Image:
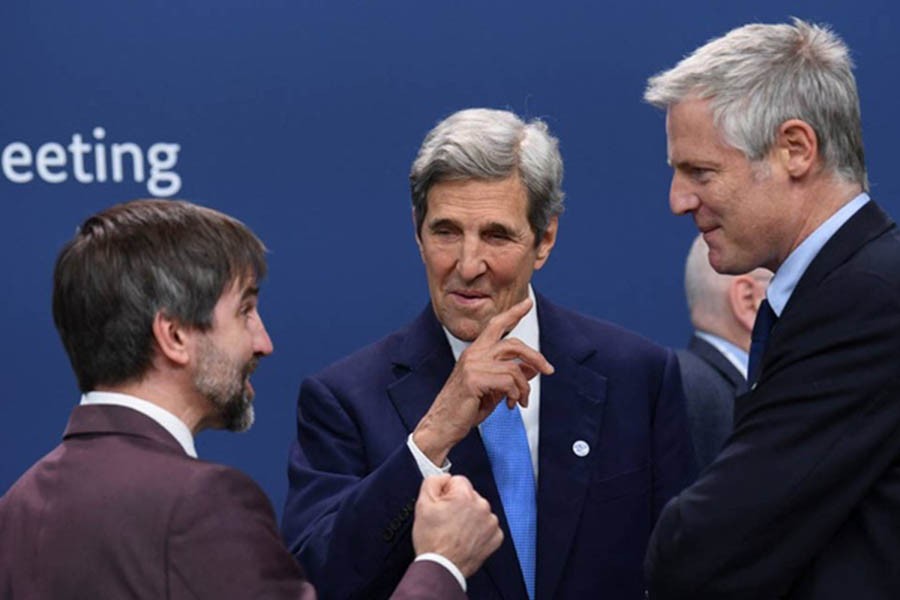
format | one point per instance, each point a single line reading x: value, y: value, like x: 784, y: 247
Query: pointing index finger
x: 503, y: 323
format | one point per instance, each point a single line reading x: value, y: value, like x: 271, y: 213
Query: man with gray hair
x: 714, y: 365
x: 765, y: 141
x: 573, y: 429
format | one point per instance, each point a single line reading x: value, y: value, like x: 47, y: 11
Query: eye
x: 700, y: 174
x: 497, y: 235
x: 443, y: 230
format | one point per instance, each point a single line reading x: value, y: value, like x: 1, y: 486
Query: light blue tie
x: 503, y: 434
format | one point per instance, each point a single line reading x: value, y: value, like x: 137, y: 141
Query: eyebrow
x: 491, y: 226
x: 442, y: 223
x: 495, y: 226
x: 251, y: 290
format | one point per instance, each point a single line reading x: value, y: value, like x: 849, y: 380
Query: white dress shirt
x: 166, y: 420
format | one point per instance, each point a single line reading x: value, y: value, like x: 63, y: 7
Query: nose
x: 682, y: 199
x: 262, y: 343
x: 470, y: 264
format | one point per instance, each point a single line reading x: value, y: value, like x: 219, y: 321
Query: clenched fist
x: 453, y: 520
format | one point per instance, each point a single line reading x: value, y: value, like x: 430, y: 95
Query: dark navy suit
x: 710, y: 384
x: 804, y: 500
x: 353, y: 480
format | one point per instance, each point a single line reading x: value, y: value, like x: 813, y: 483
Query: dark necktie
x: 762, y: 328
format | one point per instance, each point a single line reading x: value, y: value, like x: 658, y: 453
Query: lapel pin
x: 581, y: 448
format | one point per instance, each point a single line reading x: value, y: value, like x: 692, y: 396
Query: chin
x: 243, y: 421
x: 466, y: 330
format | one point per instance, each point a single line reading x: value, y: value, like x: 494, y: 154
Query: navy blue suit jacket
x: 804, y: 500
x: 710, y: 384
x: 353, y: 481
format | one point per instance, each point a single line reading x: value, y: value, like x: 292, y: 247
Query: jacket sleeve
x: 346, y: 522
x: 810, y: 441
x: 673, y: 452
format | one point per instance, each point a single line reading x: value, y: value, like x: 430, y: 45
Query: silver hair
x: 480, y: 143
x: 759, y: 76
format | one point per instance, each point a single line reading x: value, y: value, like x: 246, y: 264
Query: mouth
x: 706, y: 230
x: 705, y: 227
x: 468, y: 297
x: 248, y: 370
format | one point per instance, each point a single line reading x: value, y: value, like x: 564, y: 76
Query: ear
x: 742, y: 299
x: 797, y: 146
x: 548, y: 240
x: 172, y: 339
x: 418, y: 237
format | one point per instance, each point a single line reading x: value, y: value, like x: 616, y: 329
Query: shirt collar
x: 736, y: 356
x: 166, y: 420
x: 526, y: 330
x: 795, y: 265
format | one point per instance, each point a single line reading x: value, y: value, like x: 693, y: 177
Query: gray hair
x: 480, y: 143
x: 759, y: 76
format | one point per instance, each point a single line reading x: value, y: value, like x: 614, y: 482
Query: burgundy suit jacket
x: 118, y: 510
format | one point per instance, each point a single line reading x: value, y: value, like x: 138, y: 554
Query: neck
x: 815, y: 203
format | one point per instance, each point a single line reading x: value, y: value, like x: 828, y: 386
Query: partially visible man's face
x: 479, y: 250
x: 741, y: 208
x: 228, y: 353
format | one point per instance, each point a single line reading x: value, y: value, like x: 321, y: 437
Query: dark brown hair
x: 134, y: 259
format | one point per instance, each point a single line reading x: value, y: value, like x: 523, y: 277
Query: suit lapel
x: 422, y: 362
x: 716, y: 360
x: 572, y: 401
x: 868, y: 223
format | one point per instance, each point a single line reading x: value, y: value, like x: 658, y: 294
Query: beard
x: 223, y: 382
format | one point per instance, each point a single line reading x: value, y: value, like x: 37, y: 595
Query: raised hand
x: 492, y: 368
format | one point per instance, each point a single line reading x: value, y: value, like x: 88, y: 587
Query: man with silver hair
x: 764, y: 138
x: 714, y: 365
x: 573, y: 429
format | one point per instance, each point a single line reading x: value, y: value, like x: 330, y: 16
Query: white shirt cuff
x: 447, y: 564
x: 426, y: 467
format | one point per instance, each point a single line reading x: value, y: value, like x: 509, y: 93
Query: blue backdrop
x: 301, y: 118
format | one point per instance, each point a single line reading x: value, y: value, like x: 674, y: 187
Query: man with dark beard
x: 156, y: 305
